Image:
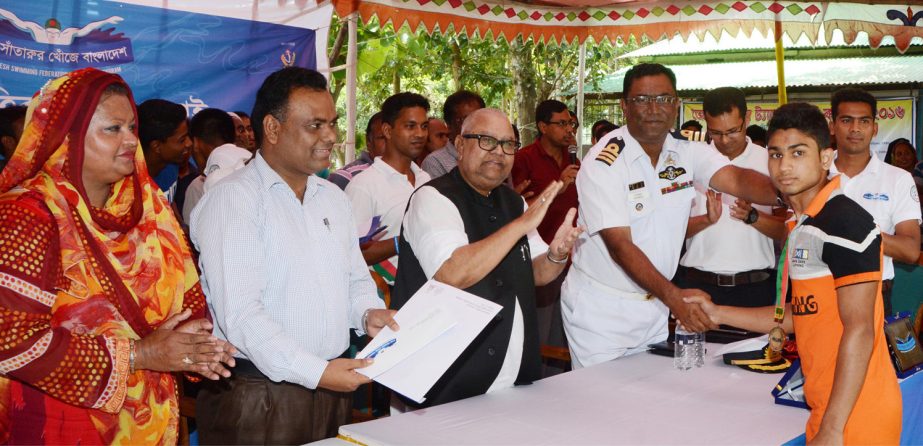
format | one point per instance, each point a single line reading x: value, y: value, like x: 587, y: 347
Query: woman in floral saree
x: 99, y: 296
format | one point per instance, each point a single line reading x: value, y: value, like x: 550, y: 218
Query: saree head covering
x: 78, y: 282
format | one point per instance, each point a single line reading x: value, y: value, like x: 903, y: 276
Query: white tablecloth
x: 640, y: 399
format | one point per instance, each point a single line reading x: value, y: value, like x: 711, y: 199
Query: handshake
x: 693, y: 309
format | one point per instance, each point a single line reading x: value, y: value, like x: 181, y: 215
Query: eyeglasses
x: 661, y: 100
x: 489, y: 143
x: 563, y: 123
x: 728, y: 134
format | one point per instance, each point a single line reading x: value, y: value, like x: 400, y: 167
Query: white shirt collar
x: 269, y: 177
x: 872, y: 167
x: 387, y: 170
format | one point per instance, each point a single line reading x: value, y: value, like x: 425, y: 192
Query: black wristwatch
x: 752, y: 216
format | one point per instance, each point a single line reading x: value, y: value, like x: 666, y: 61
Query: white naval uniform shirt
x: 654, y: 202
x: 731, y: 246
x: 435, y: 229
x: 888, y: 193
x: 383, y: 191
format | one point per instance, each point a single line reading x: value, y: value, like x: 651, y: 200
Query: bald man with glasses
x: 471, y: 231
x: 636, y: 193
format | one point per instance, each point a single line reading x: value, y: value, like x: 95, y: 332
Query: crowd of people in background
x: 140, y: 244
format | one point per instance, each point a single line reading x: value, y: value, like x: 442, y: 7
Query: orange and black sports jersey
x: 837, y: 244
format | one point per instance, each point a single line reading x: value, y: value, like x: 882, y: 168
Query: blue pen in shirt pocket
x: 380, y: 348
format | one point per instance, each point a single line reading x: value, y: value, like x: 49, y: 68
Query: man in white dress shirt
x: 284, y: 278
x: 729, y: 243
x: 887, y: 192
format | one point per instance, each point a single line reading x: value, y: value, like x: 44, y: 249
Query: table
x: 639, y: 399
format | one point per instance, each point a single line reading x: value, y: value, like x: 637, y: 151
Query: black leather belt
x: 246, y: 368
x: 729, y: 280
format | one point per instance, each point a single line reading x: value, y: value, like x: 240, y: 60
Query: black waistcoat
x: 477, y: 367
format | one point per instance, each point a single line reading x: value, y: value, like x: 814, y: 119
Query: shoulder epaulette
x: 688, y: 135
x: 611, y: 152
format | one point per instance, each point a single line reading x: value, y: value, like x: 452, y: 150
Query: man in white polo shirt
x: 887, y: 192
x: 635, y: 189
x: 384, y: 188
x: 729, y: 248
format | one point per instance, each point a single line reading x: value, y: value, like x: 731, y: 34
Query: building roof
x: 755, y: 42
x: 798, y: 73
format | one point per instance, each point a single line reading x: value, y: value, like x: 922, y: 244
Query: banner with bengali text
x: 896, y: 118
x: 198, y: 54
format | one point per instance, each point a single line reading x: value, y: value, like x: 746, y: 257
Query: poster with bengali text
x: 895, y: 116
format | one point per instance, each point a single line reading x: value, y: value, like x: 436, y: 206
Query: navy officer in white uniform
x: 636, y: 192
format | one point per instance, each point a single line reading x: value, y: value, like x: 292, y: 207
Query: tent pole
x: 780, y: 62
x: 581, y: 73
x: 352, y: 57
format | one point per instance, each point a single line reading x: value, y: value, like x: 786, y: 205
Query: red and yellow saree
x: 77, y: 282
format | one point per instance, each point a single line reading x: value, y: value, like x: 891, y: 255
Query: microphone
x: 572, y: 151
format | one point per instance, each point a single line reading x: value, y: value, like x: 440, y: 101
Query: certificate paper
x: 437, y: 324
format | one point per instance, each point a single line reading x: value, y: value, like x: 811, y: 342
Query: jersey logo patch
x: 671, y: 173
x: 675, y: 187
x: 804, y: 305
x: 873, y: 196
x: 613, y: 148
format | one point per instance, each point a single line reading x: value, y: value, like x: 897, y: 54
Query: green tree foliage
x: 513, y: 77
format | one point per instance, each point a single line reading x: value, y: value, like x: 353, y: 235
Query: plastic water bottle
x: 700, y: 349
x: 688, y: 351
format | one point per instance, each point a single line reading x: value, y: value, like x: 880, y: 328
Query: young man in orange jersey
x: 833, y: 256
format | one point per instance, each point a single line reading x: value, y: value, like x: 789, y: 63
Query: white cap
x: 224, y: 160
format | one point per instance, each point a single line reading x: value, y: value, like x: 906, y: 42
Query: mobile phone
x: 664, y: 348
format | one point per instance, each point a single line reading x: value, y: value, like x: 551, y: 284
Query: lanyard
x: 783, y: 276
x: 782, y: 284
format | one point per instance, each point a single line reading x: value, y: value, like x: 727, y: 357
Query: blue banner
x: 195, y: 59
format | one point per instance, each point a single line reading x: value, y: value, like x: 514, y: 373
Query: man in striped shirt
x: 374, y: 147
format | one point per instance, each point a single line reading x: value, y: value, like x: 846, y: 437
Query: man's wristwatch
x: 752, y: 216
x: 365, y: 320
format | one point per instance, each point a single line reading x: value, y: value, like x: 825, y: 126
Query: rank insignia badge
x: 611, y: 152
x: 671, y: 173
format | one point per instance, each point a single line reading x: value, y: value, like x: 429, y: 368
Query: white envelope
x: 437, y: 325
